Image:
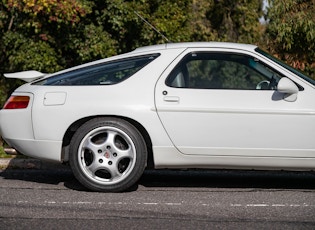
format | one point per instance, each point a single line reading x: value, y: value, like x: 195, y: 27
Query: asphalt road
x: 53, y: 199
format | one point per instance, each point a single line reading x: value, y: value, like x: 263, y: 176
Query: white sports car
x: 178, y: 105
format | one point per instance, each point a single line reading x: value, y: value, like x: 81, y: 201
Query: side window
x: 222, y: 71
x: 107, y: 73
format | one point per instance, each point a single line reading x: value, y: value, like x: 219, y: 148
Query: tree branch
x: 11, y: 23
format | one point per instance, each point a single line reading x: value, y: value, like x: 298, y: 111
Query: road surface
x: 53, y: 199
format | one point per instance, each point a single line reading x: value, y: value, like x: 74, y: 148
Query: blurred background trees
x: 291, y: 33
x: 50, y: 35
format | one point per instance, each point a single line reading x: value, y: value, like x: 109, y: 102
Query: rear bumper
x: 16, y: 128
x: 41, y: 149
x: 17, y: 123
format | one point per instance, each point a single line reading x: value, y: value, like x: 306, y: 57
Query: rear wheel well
x: 74, y: 127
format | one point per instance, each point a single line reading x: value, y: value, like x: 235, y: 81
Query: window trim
x: 286, y: 66
x: 225, y: 53
x: 64, y: 75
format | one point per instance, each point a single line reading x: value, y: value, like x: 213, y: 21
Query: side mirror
x: 288, y: 88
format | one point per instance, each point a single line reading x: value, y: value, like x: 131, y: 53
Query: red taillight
x: 17, y: 102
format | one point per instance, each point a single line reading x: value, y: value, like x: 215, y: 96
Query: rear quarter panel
x: 132, y: 98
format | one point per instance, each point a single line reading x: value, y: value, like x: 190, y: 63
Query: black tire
x: 107, y: 155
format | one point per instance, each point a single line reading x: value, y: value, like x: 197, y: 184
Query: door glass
x: 222, y: 71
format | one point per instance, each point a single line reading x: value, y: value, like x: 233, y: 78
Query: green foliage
x: 91, y: 43
x: 236, y: 21
x: 120, y: 20
x: 2, y: 153
x: 66, y: 11
x: 291, y: 33
x: 26, y: 54
x: 199, y: 24
x: 170, y: 18
x: 50, y: 35
x: 97, y: 44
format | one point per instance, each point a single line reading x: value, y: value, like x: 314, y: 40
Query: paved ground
x: 23, y: 163
x: 214, y: 199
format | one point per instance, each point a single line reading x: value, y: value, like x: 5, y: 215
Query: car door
x: 225, y: 103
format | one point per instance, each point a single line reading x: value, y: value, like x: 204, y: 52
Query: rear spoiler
x: 27, y: 76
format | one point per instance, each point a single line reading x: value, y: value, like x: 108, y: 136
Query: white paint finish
x: 17, y: 123
x: 41, y: 149
x: 55, y: 98
x: 211, y: 128
x: 124, y: 99
x: 288, y: 88
x: 27, y: 76
x: 253, y: 123
x: 169, y: 157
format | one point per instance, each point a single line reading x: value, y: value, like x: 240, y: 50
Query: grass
x: 3, y: 154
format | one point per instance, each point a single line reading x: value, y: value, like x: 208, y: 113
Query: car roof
x: 165, y: 46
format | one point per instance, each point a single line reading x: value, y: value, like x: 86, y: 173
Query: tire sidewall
x: 134, y: 135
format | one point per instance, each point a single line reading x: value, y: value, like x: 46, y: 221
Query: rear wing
x: 27, y: 76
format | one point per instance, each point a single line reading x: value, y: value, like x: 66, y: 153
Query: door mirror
x: 288, y: 88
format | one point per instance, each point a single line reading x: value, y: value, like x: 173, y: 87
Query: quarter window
x: 107, y: 73
x: 222, y: 71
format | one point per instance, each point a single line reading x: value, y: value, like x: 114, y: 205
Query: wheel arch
x: 75, y: 125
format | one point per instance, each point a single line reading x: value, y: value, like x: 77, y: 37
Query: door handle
x: 171, y: 99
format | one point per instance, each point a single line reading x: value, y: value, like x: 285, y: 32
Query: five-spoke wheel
x: 107, y: 154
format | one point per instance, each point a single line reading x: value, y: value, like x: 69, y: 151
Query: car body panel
x: 27, y: 76
x: 17, y: 123
x: 53, y: 115
x: 255, y: 123
x: 171, y: 158
x: 188, y: 128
